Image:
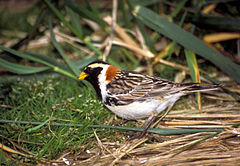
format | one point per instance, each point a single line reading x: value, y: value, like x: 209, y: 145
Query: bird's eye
x: 88, y: 69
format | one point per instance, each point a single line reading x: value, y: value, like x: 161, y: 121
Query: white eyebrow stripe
x: 97, y: 65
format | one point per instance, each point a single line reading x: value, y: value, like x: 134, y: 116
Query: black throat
x: 93, y: 79
x: 95, y: 85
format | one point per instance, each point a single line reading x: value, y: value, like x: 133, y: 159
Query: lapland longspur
x: 132, y: 96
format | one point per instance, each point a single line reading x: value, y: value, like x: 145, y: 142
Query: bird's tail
x: 197, y: 87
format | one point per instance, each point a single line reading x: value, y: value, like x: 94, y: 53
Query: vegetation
x: 47, y: 116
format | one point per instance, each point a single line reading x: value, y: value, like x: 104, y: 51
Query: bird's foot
x: 146, y: 127
x: 123, y: 122
x: 137, y: 136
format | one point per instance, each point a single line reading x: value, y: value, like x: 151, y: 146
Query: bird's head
x: 98, y: 70
x: 99, y: 74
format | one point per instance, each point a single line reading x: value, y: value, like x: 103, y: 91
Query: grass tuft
x: 60, y: 100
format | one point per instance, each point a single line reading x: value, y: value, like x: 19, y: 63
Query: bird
x: 134, y: 96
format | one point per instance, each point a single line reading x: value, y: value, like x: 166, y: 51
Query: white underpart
x: 140, y: 110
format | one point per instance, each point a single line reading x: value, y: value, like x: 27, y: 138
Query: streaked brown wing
x: 130, y: 86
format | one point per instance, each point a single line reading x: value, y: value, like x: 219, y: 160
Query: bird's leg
x: 124, y: 122
x: 165, y: 114
x: 148, y: 123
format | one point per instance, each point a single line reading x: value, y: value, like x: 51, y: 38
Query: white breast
x: 136, y: 110
x: 140, y: 110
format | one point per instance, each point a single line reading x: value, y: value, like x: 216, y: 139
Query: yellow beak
x: 82, y: 76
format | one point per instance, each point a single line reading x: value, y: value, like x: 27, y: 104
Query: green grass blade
x: 36, y: 127
x: 126, y: 14
x: 75, y: 21
x: 21, y: 69
x: 196, y: 142
x: 131, y: 58
x: 46, y: 147
x: 61, y: 52
x: 178, y: 8
x: 160, y: 131
x: 151, y: 130
x: 62, y: 18
x: 28, y: 57
x: 186, y: 39
x: 83, y: 11
x: 93, y: 8
x: 40, y: 76
x: 236, y: 125
x: 25, y: 56
x: 149, y: 2
x: 216, y: 22
x: 181, y: 131
x: 193, y: 66
x: 51, y: 60
x: 194, y: 72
